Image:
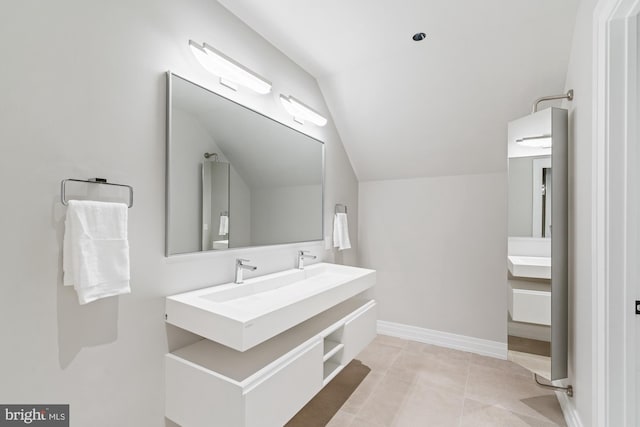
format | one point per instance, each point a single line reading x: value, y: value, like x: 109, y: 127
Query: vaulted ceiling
x: 435, y: 107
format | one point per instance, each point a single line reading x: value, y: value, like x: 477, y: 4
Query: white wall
x: 83, y: 95
x: 579, y: 78
x: 440, y: 248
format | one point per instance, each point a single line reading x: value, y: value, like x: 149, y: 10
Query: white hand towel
x: 96, y: 249
x: 341, y: 232
x: 224, y: 225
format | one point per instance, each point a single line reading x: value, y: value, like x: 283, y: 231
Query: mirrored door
x: 537, y: 242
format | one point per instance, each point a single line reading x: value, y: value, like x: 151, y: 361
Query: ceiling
x: 407, y: 109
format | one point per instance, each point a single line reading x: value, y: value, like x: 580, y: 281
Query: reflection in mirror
x: 215, y: 204
x: 537, y: 263
x: 236, y: 178
x: 530, y: 196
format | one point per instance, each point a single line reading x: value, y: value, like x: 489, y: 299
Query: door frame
x: 615, y: 93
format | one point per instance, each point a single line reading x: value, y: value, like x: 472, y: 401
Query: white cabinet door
x: 359, y: 332
x: 277, y: 398
x: 196, y: 397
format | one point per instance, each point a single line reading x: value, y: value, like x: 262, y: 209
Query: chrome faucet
x: 240, y: 266
x: 301, y: 256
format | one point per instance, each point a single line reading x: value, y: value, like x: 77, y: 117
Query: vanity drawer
x: 281, y: 394
x: 359, y: 332
x: 197, y: 396
x: 530, y: 306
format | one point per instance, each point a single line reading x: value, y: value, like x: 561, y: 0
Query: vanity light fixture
x: 541, y: 141
x: 231, y: 73
x: 301, y: 112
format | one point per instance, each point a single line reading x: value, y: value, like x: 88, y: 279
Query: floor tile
x: 548, y: 406
x: 510, y: 391
x: 359, y: 422
x: 413, y: 384
x: 379, y: 356
x: 381, y: 407
x: 358, y: 398
x: 430, y: 406
x: 503, y: 365
x: 341, y: 419
x: 532, y: 362
x: 448, y: 373
x: 478, y: 414
x: 447, y: 353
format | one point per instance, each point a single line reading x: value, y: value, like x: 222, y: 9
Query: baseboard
x: 444, y: 339
x: 568, y: 410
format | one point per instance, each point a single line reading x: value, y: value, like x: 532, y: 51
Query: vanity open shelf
x: 210, y: 384
x: 331, y: 348
x: 330, y: 370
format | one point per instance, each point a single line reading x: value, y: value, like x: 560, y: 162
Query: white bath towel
x: 96, y: 250
x: 341, y: 232
x: 224, y: 225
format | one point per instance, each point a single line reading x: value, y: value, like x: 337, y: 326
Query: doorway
x: 616, y: 211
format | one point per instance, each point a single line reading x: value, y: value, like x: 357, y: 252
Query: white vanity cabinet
x: 530, y: 302
x: 209, y: 384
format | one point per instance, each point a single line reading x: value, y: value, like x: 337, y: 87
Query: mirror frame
x: 168, y: 145
x: 560, y: 244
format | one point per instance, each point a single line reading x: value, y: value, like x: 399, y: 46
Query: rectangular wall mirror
x: 537, y: 242
x: 236, y: 178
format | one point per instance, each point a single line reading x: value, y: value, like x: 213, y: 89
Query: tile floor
x: 533, y: 362
x: 421, y: 385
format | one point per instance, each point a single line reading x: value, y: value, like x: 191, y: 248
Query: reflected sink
x: 242, y: 316
x: 536, y: 267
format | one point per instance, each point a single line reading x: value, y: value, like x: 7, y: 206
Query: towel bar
x: 63, y: 184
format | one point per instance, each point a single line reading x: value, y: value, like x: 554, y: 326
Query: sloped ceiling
x: 437, y: 107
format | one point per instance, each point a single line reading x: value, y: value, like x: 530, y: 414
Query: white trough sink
x: 536, y: 267
x: 242, y: 316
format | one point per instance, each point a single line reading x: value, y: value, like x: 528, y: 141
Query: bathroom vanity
x: 271, y: 344
x: 237, y: 179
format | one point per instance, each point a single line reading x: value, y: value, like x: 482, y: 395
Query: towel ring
x: 63, y: 185
x: 340, y: 208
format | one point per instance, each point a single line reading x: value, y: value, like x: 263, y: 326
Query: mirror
x: 236, y: 178
x: 530, y: 192
x: 215, y: 203
x: 537, y: 243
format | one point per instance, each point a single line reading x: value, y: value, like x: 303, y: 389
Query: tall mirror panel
x: 537, y: 242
